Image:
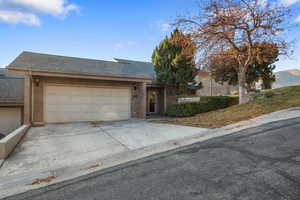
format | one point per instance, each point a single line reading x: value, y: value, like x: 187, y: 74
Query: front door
x: 152, y: 102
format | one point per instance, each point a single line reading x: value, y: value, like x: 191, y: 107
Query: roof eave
x: 29, y: 71
x: 11, y: 104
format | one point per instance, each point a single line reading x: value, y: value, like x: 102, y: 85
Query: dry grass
x: 284, y: 98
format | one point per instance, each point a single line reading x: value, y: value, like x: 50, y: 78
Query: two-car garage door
x: 75, y: 104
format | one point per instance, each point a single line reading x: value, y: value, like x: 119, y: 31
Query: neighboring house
x: 210, y: 87
x: 11, y: 102
x: 59, y: 89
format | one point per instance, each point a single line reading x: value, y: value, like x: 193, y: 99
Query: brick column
x: 139, y: 99
x: 143, y: 100
x: 27, y: 100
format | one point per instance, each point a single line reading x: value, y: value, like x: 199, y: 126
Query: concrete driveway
x: 62, y: 145
x: 260, y: 163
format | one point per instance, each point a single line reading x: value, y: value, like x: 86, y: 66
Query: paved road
x: 258, y: 163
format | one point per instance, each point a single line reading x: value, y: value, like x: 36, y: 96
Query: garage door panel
x: 66, y: 104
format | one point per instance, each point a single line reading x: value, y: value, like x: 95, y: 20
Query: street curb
x: 16, y: 185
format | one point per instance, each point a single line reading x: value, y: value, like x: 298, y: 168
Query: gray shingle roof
x: 37, y: 61
x: 11, y: 88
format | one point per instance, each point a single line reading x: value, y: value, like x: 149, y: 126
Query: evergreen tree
x: 174, y: 60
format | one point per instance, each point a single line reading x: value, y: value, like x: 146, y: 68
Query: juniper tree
x: 174, y: 60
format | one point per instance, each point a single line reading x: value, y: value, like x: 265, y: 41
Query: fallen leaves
x: 94, y: 166
x: 43, y: 180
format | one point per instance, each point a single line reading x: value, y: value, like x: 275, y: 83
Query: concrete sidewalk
x: 19, y: 184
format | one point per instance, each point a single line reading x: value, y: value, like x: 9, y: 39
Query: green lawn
x: 284, y: 98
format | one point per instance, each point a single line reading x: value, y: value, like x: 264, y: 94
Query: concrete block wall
x: 8, y: 144
x: 10, y: 119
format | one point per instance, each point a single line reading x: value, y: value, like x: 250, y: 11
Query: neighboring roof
x: 11, y: 89
x: 54, y: 63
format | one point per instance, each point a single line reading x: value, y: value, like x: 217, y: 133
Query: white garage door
x: 75, y: 104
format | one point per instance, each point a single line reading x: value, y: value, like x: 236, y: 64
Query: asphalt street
x: 254, y: 164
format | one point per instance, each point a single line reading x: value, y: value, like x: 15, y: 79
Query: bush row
x: 206, y: 104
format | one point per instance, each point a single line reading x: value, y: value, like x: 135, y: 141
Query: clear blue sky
x: 97, y: 29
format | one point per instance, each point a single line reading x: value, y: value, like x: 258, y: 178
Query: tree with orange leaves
x: 235, y: 26
x: 224, y: 67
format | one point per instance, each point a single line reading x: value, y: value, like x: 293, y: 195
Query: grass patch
x: 283, y: 98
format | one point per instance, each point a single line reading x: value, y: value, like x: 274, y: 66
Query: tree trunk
x: 243, y: 98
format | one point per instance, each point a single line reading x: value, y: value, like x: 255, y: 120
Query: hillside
x: 287, y: 78
x: 286, y: 97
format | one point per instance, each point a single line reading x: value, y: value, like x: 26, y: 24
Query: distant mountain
x: 287, y: 78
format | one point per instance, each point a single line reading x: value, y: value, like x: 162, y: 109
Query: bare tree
x: 231, y: 24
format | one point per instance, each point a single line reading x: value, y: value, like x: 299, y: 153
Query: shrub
x: 205, y: 105
x: 182, y: 110
x: 264, y: 95
x: 220, y: 101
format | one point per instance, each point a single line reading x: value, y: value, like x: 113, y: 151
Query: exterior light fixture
x: 135, y: 91
x: 37, y: 82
